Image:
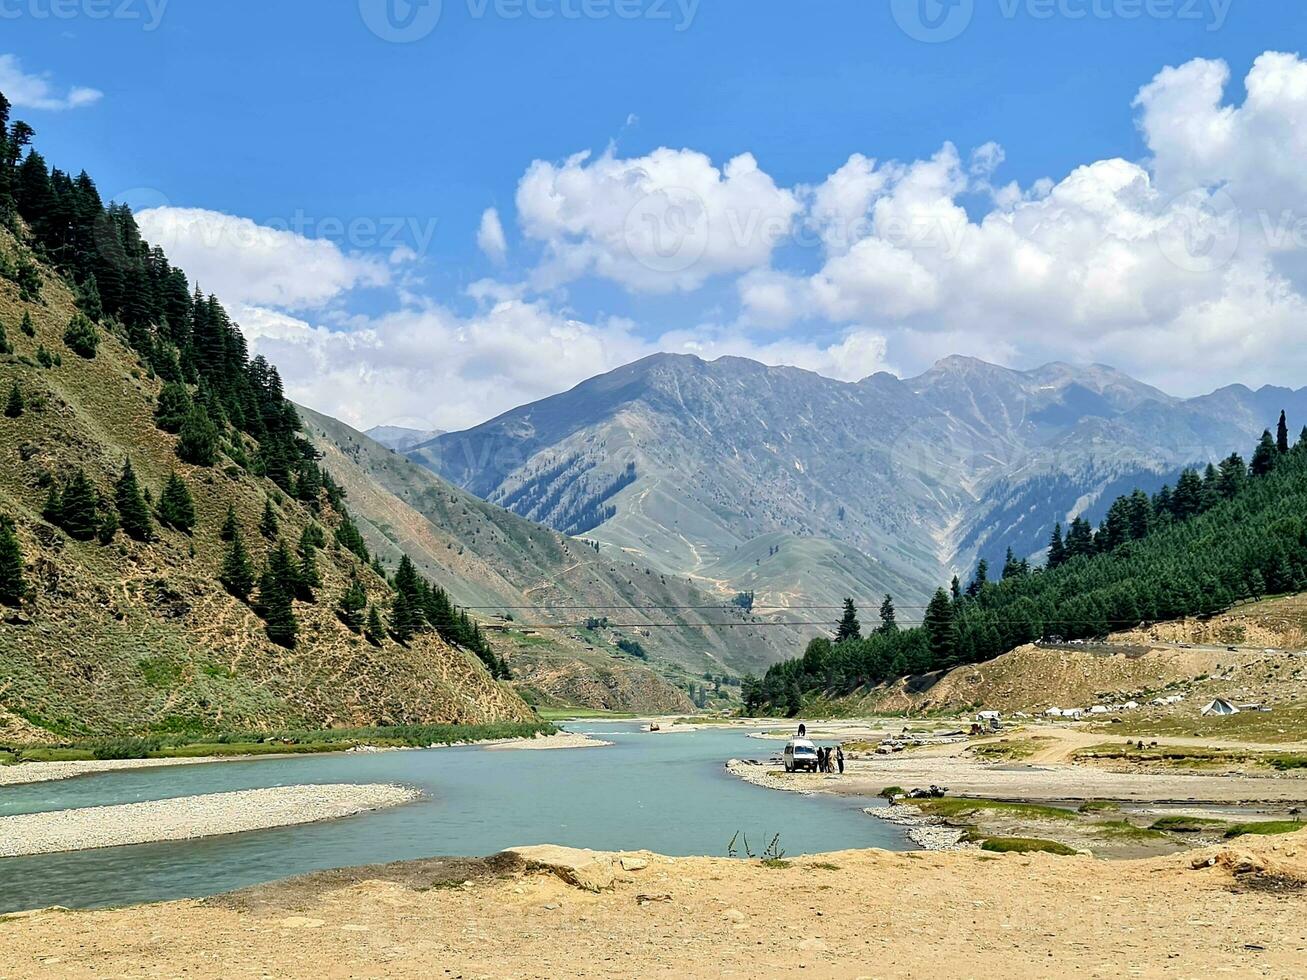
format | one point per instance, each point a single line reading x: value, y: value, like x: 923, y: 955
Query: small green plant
x: 1026, y: 845
x: 81, y: 336
x: 1099, y: 806
x: 1265, y: 827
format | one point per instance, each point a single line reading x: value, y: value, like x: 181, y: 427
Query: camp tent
x: 1220, y: 706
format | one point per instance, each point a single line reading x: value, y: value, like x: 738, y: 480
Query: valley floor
x: 1231, y: 909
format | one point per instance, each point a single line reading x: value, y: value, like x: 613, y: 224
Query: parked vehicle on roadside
x: 800, y: 754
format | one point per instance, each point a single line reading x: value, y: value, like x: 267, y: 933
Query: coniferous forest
x: 1235, y: 532
x: 224, y: 407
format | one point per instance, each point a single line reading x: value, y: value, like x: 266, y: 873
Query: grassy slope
x: 485, y: 556
x: 136, y: 638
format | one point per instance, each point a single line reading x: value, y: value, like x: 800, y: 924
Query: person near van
x: 839, y: 758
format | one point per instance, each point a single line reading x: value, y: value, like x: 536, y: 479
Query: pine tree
x: 978, y: 583
x: 79, y: 506
x: 955, y: 589
x: 197, y: 441
x: 941, y: 630
x: 174, y: 407
x: 5, y: 346
x: 1056, y: 550
x: 108, y: 525
x: 350, y: 538
x: 12, y: 585
x: 133, y: 514
x: 15, y: 405
x: 1264, y: 456
x: 230, y: 526
x: 888, y: 622
x: 849, y: 628
x: 27, y: 327
x: 53, y: 511
x: 375, y: 631
x: 306, y: 575
x: 237, y: 574
x: 176, y: 508
x: 351, y: 605
x: 403, y: 617
x: 1282, y: 434
x: 276, y: 595
x: 81, y: 336
x: 268, y: 523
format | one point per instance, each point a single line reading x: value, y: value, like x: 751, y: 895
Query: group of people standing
x: 828, y: 759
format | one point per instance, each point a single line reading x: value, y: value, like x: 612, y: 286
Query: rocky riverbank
x: 190, y: 817
x: 927, y: 832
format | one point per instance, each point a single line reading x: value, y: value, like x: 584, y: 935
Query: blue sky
x: 298, y: 115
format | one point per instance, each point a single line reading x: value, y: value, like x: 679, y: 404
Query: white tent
x: 1054, y: 712
x: 1220, y: 706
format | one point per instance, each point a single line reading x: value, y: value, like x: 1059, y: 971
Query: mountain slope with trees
x: 504, y: 565
x: 1233, y: 532
x: 172, y: 556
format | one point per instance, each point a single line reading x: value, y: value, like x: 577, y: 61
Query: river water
x: 662, y: 792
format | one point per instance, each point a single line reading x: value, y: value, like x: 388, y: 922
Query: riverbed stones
x: 631, y: 863
x: 590, y: 870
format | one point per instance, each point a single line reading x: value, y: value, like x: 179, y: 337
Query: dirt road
x: 843, y: 915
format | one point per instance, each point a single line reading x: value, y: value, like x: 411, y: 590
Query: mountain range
x: 804, y: 489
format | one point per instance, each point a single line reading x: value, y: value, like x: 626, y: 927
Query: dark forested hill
x: 172, y: 556
x: 1236, y: 531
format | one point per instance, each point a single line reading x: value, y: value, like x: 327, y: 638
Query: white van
x: 800, y: 754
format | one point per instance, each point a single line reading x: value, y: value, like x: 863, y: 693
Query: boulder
x: 590, y: 870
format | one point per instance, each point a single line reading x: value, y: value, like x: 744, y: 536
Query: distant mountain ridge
x: 881, y: 485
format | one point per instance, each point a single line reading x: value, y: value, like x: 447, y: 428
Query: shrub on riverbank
x: 268, y: 743
x: 1025, y: 845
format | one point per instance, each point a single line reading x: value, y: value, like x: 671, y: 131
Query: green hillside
x: 1235, y: 532
x: 139, y: 444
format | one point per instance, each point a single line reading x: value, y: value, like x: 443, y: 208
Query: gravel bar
x: 189, y: 817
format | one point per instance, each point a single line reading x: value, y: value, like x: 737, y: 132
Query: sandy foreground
x: 189, y: 817
x: 1242, y: 911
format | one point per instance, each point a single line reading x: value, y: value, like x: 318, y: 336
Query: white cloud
x: 38, y: 92
x: 1166, y: 267
x: 251, y: 264
x: 659, y: 223
x: 490, y: 237
x: 1186, y: 266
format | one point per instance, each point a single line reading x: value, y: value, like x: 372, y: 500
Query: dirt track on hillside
x: 844, y: 915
